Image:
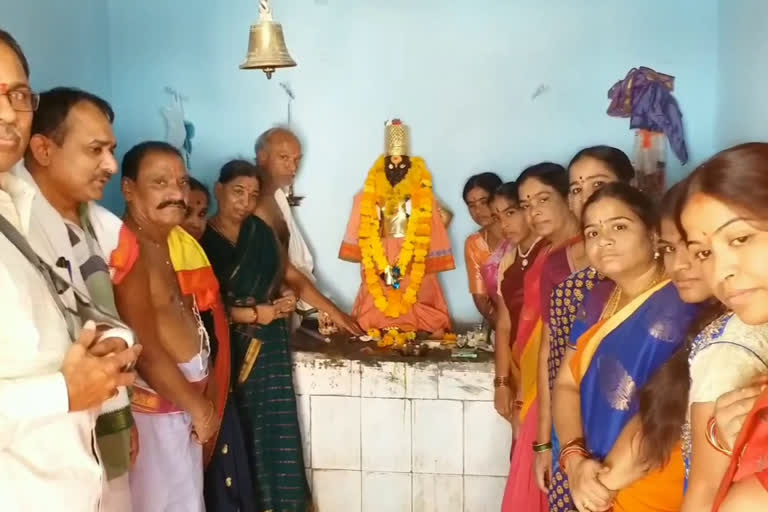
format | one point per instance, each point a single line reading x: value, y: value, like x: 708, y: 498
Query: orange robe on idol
x: 430, y: 313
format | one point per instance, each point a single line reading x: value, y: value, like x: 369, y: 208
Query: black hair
x: 668, y: 205
x: 237, y: 169
x: 195, y: 184
x: 508, y: 191
x: 134, y: 156
x: 55, y: 105
x: 9, y: 41
x: 488, y: 181
x: 637, y: 201
x: 550, y: 174
x: 614, y: 158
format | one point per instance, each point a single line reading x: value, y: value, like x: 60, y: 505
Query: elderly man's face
x: 15, y: 125
x: 281, y: 158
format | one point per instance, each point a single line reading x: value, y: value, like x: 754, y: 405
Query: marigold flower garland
x: 378, y: 193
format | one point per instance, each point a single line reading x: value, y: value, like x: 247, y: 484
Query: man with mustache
x: 172, y: 410
x: 70, y: 159
x: 54, y: 375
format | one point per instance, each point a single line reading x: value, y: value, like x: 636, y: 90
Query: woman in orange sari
x: 542, y: 193
x: 724, y: 214
x: 483, y: 249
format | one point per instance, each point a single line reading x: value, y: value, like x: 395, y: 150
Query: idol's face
x: 396, y: 167
x: 160, y: 193
x: 730, y: 246
x: 617, y: 242
x: 684, y: 271
x: 15, y: 124
x: 586, y: 176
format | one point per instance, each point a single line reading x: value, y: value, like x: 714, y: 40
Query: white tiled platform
x: 401, y: 437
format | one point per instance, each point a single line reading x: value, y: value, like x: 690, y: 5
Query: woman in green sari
x: 258, y: 287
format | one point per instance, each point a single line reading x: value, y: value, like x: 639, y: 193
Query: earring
x: 656, y: 255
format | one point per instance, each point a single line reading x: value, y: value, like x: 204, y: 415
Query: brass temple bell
x: 266, y: 45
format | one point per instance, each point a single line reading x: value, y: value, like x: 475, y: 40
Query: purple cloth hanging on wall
x: 645, y: 96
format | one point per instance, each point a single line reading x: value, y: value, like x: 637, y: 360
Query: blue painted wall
x: 462, y: 77
x: 742, y: 114
x: 461, y: 74
x: 65, y: 42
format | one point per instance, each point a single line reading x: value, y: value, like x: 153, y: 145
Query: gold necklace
x: 612, y: 304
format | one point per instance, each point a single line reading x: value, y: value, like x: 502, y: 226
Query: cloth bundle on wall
x: 178, y: 131
x: 645, y: 96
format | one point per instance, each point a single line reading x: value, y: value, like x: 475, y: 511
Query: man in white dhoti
x: 173, y: 413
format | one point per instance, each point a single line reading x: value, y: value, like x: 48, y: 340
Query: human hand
x: 502, y: 401
x: 346, y: 322
x: 205, y: 422
x: 284, y: 306
x: 90, y: 379
x: 134, y: 450
x: 106, y: 346
x: 589, y: 495
x: 732, y: 408
x: 542, y: 469
x: 266, y: 314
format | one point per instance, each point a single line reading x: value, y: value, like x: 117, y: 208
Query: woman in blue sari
x: 623, y: 334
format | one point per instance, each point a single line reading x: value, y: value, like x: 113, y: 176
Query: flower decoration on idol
x: 395, y: 179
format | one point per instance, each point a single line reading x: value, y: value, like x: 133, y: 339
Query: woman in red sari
x: 543, y: 195
x: 526, y: 245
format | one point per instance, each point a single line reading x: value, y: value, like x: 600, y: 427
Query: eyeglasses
x: 21, y: 100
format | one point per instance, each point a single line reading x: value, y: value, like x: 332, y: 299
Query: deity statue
x: 397, y: 232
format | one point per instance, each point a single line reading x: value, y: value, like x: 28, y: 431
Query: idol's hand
x: 91, y: 380
x: 732, y: 408
x: 589, y: 495
x: 205, y: 422
x: 346, y: 322
x: 542, y: 470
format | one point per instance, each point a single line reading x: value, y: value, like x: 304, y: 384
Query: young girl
x: 525, y: 247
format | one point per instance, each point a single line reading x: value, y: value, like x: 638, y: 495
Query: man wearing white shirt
x: 51, y: 389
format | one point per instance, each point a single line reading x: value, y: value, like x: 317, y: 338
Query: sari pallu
x: 522, y: 492
x: 615, y: 358
x: 564, y: 301
x: 251, y: 274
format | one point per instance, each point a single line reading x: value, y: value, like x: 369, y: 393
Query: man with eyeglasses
x: 54, y: 376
